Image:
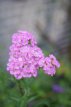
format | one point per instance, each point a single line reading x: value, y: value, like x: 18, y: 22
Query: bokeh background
x: 50, y: 23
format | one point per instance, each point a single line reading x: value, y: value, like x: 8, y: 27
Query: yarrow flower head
x: 50, y: 65
x: 26, y: 57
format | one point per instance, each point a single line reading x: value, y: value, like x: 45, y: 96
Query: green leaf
x: 41, y: 103
x: 32, y: 98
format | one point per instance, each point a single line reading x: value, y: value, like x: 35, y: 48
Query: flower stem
x: 20, y: 88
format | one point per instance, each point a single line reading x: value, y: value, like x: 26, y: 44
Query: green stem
x: 20, y: 87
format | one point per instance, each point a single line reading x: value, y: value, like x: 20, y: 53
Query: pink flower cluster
x: 26, y: 57
x: 50, y: 65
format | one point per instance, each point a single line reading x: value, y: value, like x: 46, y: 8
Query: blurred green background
x: 50, y: 23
